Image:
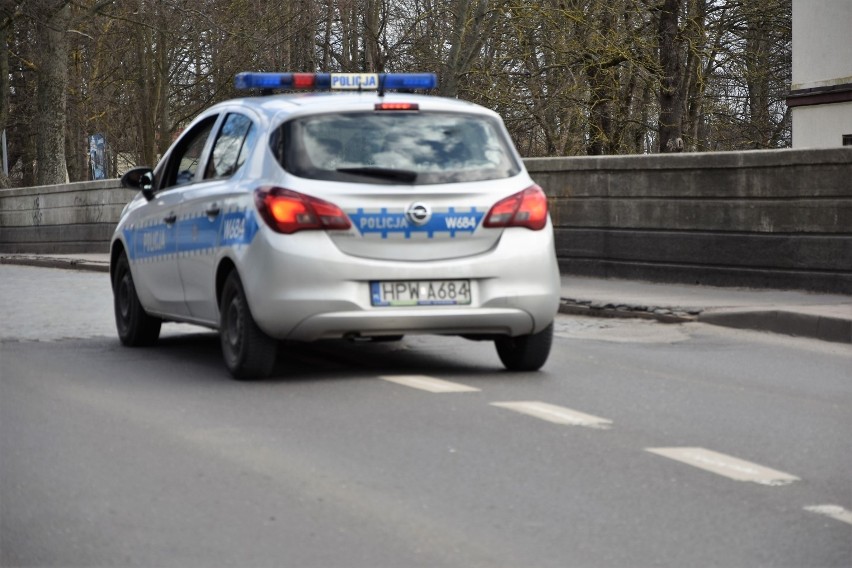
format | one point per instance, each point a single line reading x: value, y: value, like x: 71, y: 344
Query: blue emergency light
x: 337, y: 81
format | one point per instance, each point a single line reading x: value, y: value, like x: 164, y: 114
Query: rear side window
x: 395, y: 147
x: 232, y: 144
x: 184, y: 160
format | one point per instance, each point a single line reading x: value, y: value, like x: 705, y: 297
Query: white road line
x: 727, y: 466
x: 556, y: 414
x: 429, y: 384
x: 834, y: 511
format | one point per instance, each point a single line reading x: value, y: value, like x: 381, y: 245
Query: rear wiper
x: 386, y: 173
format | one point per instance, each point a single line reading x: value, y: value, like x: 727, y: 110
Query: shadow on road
x: 336, y: 358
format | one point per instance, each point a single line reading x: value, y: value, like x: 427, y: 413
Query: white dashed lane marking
x: 727, y: 466
x: 429, y: 384
x: 555, y: 414
x: 836, y: 512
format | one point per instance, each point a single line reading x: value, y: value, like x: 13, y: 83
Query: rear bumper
x: 393, y: 321
x: 304, y: 288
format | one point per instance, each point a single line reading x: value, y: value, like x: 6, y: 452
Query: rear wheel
x: 525, y: 352
x: 248, y: 352
x: 135, y: 327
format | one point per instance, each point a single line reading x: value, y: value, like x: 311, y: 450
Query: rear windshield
x: 395, y: 147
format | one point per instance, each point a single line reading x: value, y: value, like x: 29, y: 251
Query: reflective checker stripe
x: 192, y: 235
x: 387, y: 222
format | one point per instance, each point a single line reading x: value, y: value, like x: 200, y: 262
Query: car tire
x: 525, y: 352
x: 135, y: 327
x: 248, y: 352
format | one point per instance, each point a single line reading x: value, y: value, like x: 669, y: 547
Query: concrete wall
x: 60, y: 219
x: 777, y: 219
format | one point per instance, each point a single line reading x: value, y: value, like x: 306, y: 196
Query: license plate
x: 420, y: 293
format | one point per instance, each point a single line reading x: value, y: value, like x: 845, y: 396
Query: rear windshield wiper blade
x: 386, y: 173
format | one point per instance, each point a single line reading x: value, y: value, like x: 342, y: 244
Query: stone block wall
x: 61, y: 219
x: 777, y: 219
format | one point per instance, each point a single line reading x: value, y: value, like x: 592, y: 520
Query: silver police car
x: 367, y: 213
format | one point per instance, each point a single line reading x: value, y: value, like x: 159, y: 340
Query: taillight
x: 527, y: 208
x: 287, y: 211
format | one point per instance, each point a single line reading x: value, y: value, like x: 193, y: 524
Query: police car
x: 367, y: 213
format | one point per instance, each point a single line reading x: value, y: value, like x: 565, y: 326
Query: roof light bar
x: 410, y: 81
x: 337, y: 81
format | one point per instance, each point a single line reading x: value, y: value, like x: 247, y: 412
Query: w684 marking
x: 235, y: 229
x: 461, y: 222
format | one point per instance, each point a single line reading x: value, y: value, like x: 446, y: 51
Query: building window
x: 847, y: 139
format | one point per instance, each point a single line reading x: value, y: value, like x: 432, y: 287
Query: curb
x: 589, y: 308
x: 787, y: 322
x: 53, y: 262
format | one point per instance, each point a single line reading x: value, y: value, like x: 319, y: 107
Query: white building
x: 821, y: 94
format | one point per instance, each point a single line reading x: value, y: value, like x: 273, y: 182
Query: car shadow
x: 336, y: 359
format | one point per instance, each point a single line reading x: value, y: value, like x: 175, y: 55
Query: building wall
x: 821, y: 126
x: 822, y: 45
x: 821, y: 90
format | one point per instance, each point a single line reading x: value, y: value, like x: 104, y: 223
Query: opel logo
x: 419, y: 214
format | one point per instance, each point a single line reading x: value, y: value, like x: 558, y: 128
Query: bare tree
x: 469, y: 30
x: 568, y: 76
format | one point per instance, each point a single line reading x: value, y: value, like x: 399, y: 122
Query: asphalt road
x: 639, y: 444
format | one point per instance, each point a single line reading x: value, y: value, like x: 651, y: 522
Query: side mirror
x: 141, y: 178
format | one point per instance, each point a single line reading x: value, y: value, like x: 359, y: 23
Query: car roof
x: 321, y: 102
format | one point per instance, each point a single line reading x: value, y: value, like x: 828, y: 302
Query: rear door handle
x: 170, y: 218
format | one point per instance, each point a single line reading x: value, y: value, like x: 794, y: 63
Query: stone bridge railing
x: 61, y: 219
x: 777, y: 219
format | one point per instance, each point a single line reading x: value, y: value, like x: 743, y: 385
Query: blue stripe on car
x: 386, y: 222
x: 191, y: 235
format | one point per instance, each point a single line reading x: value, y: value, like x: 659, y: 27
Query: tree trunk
x: 51, y: 99
x: 161, y: 88
x: 694, y: 81
x: 600, y: 112
x: 757, y: 78
x: 4, y: 91
x: 372, y: 31
x: 601, y: 92
x: 671, y: 65
x: 76, y: 151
